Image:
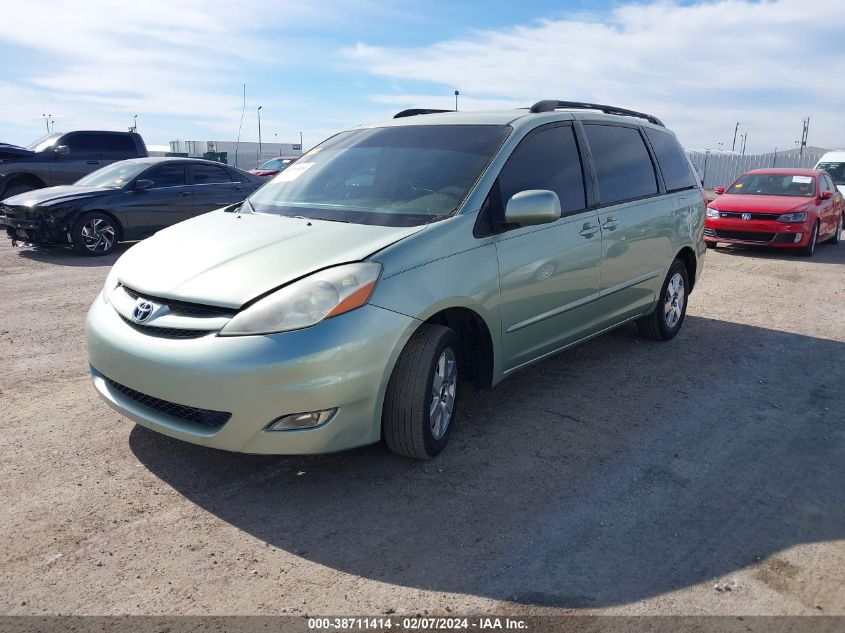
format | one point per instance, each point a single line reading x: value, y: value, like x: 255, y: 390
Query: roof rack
x: 416, y: 111
x: 551, y: 105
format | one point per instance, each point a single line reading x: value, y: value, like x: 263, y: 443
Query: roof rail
x: 551, y: 105
x: 416, y: 111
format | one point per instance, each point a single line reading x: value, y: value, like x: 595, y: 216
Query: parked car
x: 63, y: 158
x: 273, y: 166
x: 351, y: 297
x: 782, y: 208
x: 834, y: 164
x: 129, y: 200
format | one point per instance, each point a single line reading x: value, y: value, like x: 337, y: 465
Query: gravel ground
x: 701, y: 476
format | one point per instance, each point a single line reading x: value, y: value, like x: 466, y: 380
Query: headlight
x: 792, y: 217
x: 308, y: 301
x: 712, y: 213
x: 110, y: 285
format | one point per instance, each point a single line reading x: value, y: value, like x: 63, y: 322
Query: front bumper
x: 344, y: 363
x: 757, y: 232
x: 36, y: 230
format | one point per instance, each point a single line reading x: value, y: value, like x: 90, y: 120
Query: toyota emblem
x: 143, y: 310
x: 746, y: 216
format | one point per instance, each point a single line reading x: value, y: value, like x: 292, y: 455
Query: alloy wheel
x: 673, y: 306
x: 98, y: 235
x: 443, y: 391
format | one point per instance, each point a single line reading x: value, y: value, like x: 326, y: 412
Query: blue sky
x: 320, y: 67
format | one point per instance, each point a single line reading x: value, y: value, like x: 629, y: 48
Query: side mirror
x: 534, y: 206
x: 719, y: 190
x: 61, y: 150
x: 143, y: 184
x: 826, y: 195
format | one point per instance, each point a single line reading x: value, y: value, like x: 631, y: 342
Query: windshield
x: 114, y: 176
x: 775, y: 185
x: 836, y: 171
x: 394, y: 176
x: 276, y: 164
x: 43, y: 143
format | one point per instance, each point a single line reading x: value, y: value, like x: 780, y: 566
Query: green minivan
x: 354, y: 296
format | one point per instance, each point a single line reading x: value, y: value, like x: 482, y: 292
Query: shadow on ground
x: 64, y: 255
x: 825, y: 253
x: 614, y: 472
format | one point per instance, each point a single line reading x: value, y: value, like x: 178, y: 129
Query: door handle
x: 610, y: 224
x: 184, y: 193
x: 93, y: 162
x: 588, y: 230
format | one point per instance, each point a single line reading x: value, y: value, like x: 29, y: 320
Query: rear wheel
x: 834, y: 239
x: 668, y: 315
x: 95, y: 234
x: 419, y: 406
x: 810, y: 248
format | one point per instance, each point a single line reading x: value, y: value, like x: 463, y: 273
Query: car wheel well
x: 475, y: 341
x: 25, y: 179
x: 687, y: 256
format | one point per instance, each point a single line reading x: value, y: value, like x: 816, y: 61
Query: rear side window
x: 622, y: 162
x: 547, y: 159
x: 117, y: 146
x: 172, y: 175
x: 208, y: 174
x: 673, y: 162
x: 81, y: 143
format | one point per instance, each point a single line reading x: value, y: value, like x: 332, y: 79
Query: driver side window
x: 166, y: 176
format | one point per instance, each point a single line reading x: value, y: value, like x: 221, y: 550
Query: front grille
x: 754, y: 216
x: 747, y: 236
x: 165, y: 332
x: 183, y: 307
x: 213, y: 419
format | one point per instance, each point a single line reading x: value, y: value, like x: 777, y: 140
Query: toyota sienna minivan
x: 355, y: 295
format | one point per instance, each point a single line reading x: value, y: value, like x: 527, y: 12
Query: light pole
x: 259, y: 130
x: 47, y: 121
x: 275, y: 138
x: 744, y: 136
x: 456, y: 100
x: 733, y: 147
x: 300, y: 143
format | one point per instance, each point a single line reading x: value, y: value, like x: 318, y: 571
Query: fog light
x: 301, y: 420
x: 798, y: 237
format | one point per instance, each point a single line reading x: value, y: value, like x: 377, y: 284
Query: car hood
x: 8, y: 151
x: 227, y: 259
x: 758, y: 204
x: 55, y: 195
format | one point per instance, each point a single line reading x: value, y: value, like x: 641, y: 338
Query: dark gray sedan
x: 129, y: 200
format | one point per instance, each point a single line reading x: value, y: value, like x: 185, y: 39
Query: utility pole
x: 805, y: 132
x: 259, y: 132
x: 744, y: 136
x: 301, y: 148
x: 456, y: 100
x: 736, y: 129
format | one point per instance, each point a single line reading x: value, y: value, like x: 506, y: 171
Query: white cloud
x: 700, y: 68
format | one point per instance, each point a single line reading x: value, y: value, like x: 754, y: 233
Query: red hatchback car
x: 783, y: 208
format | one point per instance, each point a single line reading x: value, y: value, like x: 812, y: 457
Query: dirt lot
x: 706, y: 475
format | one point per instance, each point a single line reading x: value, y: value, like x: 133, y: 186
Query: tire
x: 666, y: 319
x: 411, y: 400
x: 837, y: 235
x: 810, y: 248
x: 95, y: 234
x: 15, y: 190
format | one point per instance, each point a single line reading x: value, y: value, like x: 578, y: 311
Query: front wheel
x: 94, y: 234
x: 810, y: 248
x: 419, y: 405
x: 666, y: 319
